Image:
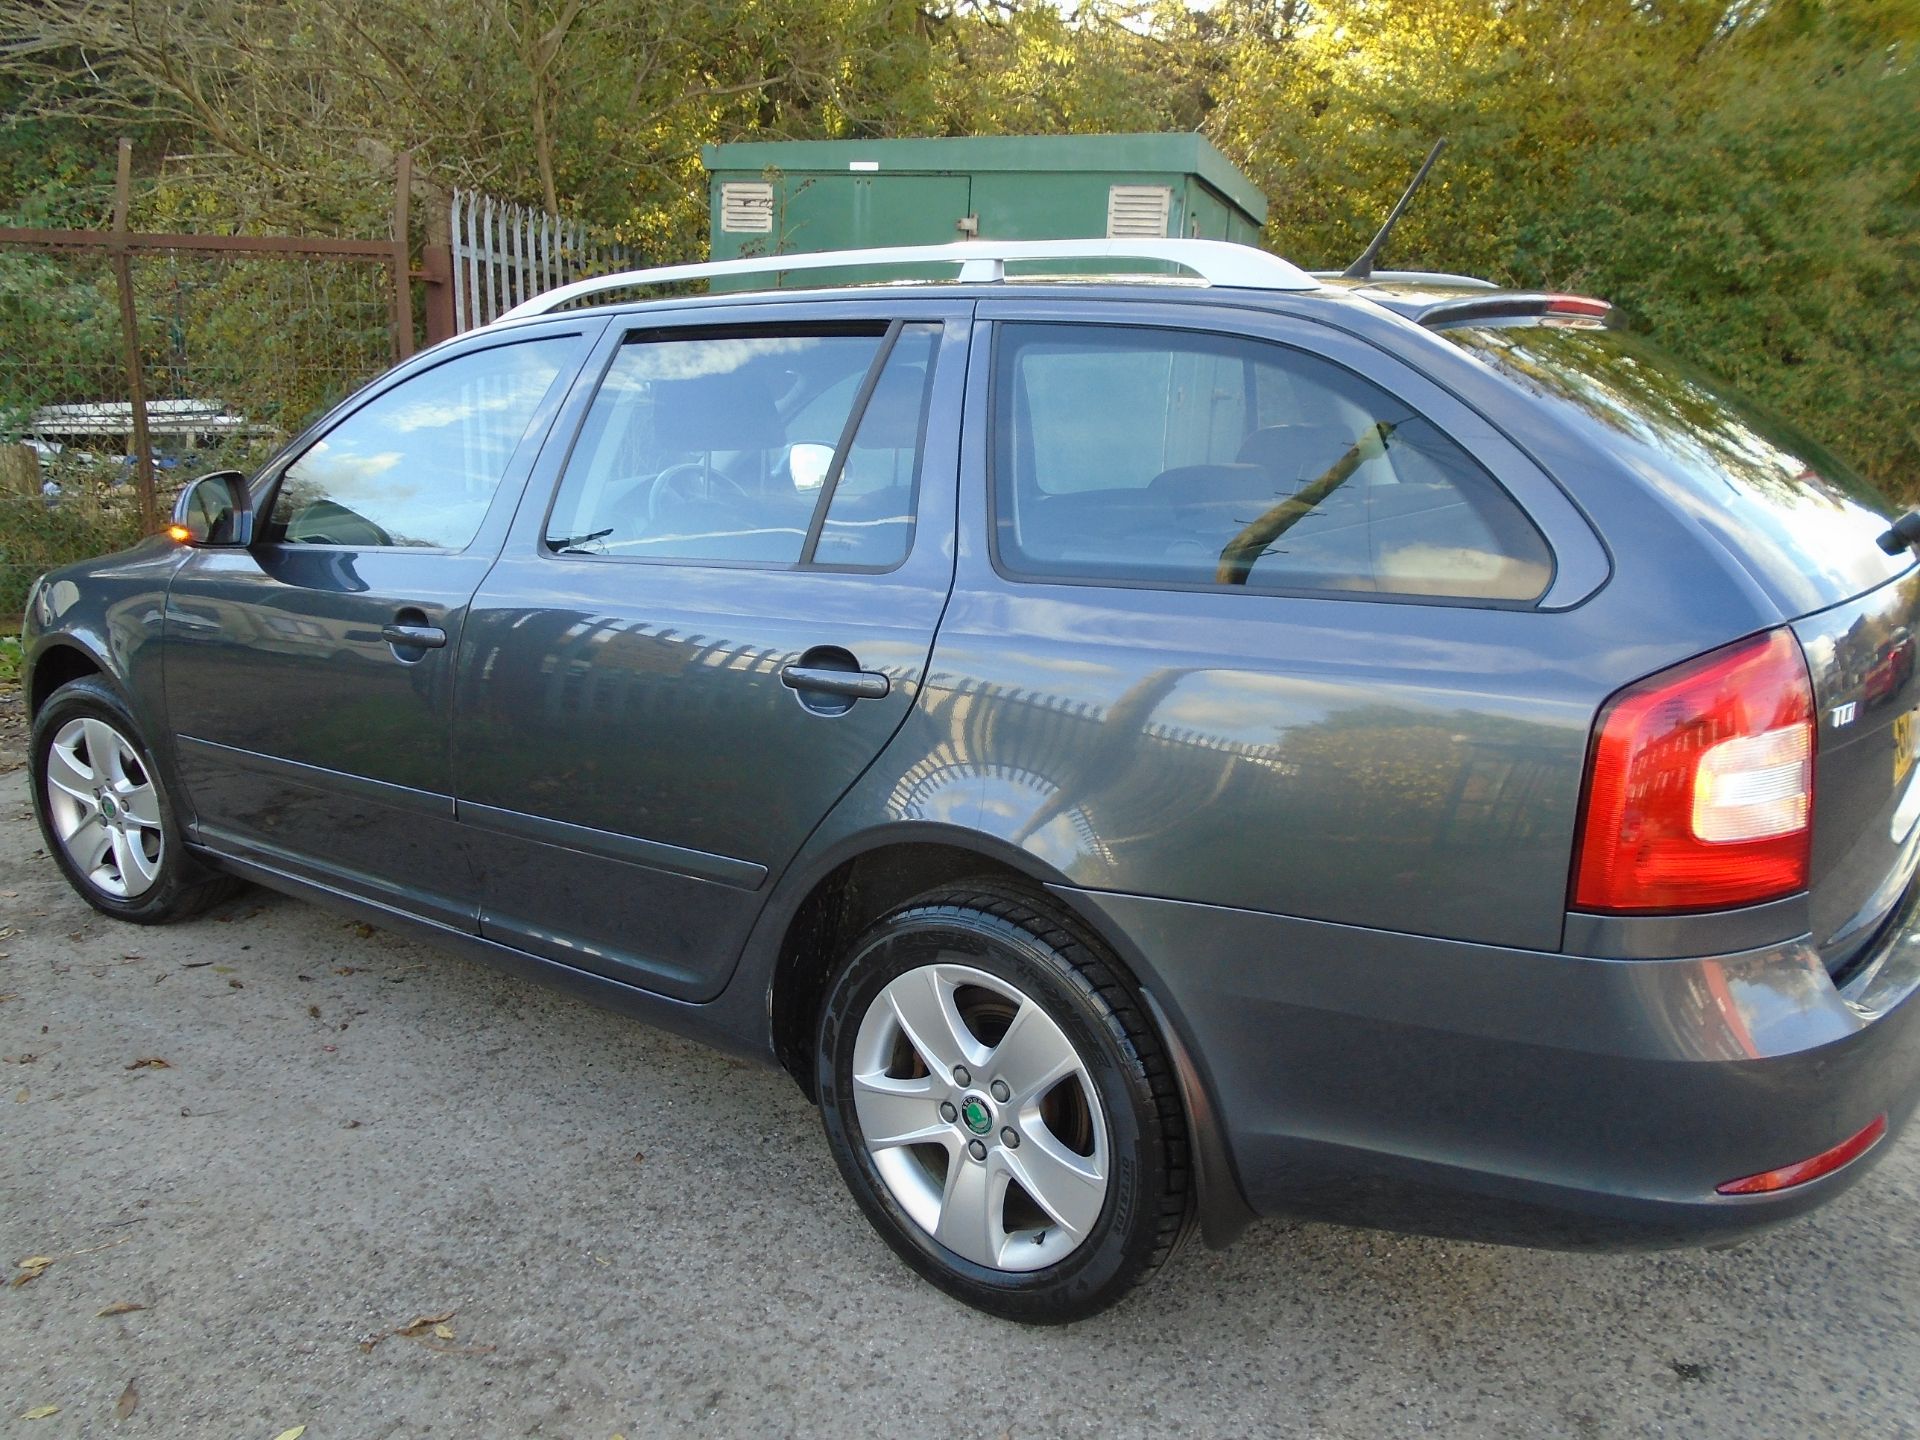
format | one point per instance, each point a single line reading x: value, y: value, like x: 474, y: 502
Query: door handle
x: 853, y: 684
x: 413, y: 637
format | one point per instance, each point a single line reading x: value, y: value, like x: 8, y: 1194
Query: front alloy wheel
x: 1001, y: 1107
x: 104, y: 810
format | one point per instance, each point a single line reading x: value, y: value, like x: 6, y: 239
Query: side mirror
x: 214, y: 511
x: 809, y: 464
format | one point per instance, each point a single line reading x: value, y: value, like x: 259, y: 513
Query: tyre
x: 1001, y: 1107
x: 105, y: 813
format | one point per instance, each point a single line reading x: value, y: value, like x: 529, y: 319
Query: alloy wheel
x: 980, y: 1117
x: 105, y: 808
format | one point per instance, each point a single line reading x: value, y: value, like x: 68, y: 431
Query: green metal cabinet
x: 784, y: 198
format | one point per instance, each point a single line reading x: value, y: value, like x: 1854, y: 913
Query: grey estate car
x: 1142, y: 751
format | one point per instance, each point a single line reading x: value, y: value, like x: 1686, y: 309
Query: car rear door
x: 308, y: 678
x: 712, y: 613
x: 1254, y: 614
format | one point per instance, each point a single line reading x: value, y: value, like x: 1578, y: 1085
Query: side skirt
x: 715, y: 1025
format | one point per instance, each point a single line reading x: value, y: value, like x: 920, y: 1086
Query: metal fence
x: 504, y: 254
x: 132, y: 360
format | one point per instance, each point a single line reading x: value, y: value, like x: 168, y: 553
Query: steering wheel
x: 673, y: 486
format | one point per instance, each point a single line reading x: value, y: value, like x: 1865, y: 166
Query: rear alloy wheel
x: 106, y: 814
x: 1000, y: 1106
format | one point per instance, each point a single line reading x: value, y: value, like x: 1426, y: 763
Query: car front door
x: 308, y: 678
x: 682, y: 661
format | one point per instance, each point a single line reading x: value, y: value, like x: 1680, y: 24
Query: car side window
x: 734, y: 448
x: 419, y: 464
x: 1183, y: 458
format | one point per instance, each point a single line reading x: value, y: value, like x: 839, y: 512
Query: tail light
x: 1825, y: 1163
x: 1578, y: 305
x: 1699, y: 790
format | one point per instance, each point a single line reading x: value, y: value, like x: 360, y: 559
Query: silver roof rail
x: 1216, y: 262
x: 1411, y: 277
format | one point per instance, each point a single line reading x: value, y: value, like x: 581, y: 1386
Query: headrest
x: 1187, y: 485
x: 892, y: 419
x: 731, y: 410
x: 1295, y: 454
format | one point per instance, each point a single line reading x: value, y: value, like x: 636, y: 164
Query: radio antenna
x: 1362, y: 268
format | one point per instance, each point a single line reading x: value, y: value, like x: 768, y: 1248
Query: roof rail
x: 1216, y: 262
x: 1414, y: 277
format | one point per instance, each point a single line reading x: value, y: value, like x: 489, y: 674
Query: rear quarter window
x: 1801, y: 522
x: 1181, y: 458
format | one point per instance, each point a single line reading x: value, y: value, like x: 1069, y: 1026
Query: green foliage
x: 1745, y: 192
x: 1742, y: 177
x: 34, y: 539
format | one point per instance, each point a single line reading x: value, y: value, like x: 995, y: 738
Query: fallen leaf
x: 150, y: 1062
x: 343, y: 970
x: 129, y: 1400
x: 294, y: 1434
x: 196, y: 964
x: 21, y: 1097
x: 223, y: 969
x: 40, y: 1412
x: 31, y: 1268
x: 330, y: 1049
x: 362, y: 929
x: 119, y: 1307
x: 314, y: 1011
x: 443, y: 1332
x: 420, y: 1324
x: 236, y: 984
x: 638, y: 1156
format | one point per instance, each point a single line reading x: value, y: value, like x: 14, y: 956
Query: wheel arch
x: 58, y: 663
x: 847, y: 889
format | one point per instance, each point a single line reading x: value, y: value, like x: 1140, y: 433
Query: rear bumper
x: 1442, y: 1088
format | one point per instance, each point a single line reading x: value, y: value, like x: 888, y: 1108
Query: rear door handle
x: 414, y: 637
x: 854, y: 684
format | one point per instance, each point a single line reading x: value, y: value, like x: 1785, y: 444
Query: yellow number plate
x: 1902, y: 746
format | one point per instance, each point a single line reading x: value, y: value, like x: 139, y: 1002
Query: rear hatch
x: 1806, y: 528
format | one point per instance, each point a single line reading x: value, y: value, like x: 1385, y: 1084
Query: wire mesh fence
x: 237, y: 353
x: 208, y: 351
x: 126, y: 353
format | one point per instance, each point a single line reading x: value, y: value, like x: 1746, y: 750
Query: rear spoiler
x: 1505, y: 305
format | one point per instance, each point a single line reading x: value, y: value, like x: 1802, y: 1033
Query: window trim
x: 274, y: 473
x: 1007, y: 571
x: 887, y: 328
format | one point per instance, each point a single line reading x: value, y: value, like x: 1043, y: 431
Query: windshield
x: 1803, y: 524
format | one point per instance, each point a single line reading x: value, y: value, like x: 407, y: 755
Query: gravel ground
x: 625, y: 1234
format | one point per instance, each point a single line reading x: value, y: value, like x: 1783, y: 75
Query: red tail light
x: 1700, y: 785
x: 1578, y: 305
x: 1825, y: 1163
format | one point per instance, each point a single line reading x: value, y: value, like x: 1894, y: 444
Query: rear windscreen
x: 1802, y: 523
